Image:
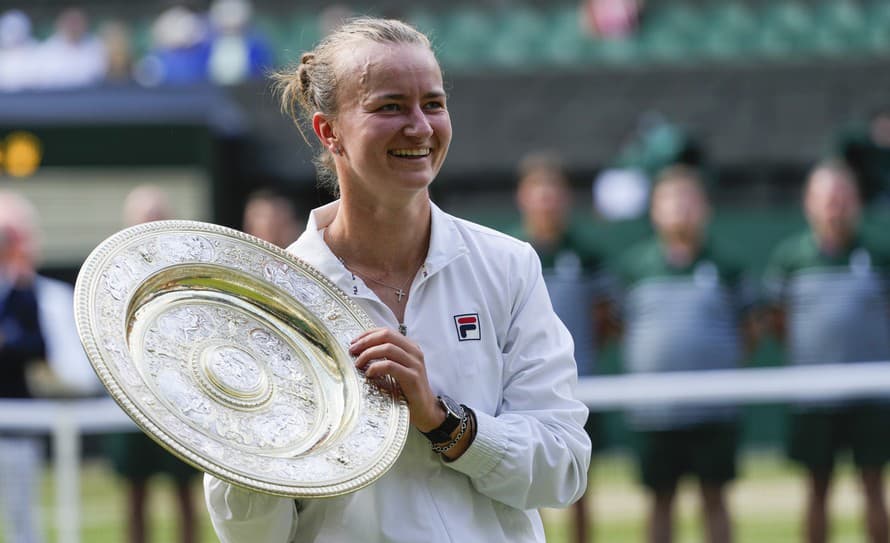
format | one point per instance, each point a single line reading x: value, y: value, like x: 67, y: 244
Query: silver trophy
x: 234, y: 355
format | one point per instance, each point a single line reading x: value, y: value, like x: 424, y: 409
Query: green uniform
x: 837, y: 312
x: 682, y: 319
x: 136, y: 457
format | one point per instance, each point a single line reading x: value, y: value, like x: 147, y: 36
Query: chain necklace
x: 400, y: 291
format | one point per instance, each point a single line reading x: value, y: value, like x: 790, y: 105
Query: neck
x: 381, y: 239
x: 543, y: 232
x: 681, y: 251
x: 834, y: 243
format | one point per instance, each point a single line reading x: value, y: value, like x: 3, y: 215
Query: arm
x: 534, y: 451
x: 240, y: 515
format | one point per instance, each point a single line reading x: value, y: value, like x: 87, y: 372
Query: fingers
x: 383, y: 353
x: 389, y: 351
x: 379, y: 336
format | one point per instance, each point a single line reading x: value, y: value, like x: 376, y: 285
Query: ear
x: 324, y: 130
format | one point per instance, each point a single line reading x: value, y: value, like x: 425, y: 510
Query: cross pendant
x: 400, y: 293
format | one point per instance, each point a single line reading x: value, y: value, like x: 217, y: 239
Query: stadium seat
x: 465, y: 39
x: 519, y: 38
x: 730, y: 31
x: 566, y: 42
x: 295, y: 34
x: 786, y: 30
x: 840, y: 28
x: 669, y: 32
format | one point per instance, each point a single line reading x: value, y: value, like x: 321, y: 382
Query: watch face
x: 453, y: 408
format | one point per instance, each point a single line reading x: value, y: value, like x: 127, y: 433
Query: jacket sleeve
x: 533, y: 452
x: 240, y: 515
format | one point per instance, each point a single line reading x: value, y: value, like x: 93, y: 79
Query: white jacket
x: 515, y: 370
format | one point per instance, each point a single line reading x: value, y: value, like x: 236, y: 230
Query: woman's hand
x: 383, y: 351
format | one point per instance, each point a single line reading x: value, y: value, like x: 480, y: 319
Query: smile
x: 411, y: 153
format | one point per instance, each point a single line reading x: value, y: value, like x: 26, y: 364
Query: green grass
x: 766, y: 503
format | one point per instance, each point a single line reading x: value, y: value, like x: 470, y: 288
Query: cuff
x: 488, y: 448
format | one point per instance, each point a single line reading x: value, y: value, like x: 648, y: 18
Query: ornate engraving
x: 208, y: 368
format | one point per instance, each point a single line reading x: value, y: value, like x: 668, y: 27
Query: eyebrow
x: 395, y: 96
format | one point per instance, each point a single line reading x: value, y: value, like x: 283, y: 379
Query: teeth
x: 411, y: 152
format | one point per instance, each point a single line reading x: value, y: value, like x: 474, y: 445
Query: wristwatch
x: 454, y: 413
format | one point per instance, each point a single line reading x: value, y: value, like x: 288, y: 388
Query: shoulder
x: 488, y: 241
x: 792, y: 251
x: 879, y: 249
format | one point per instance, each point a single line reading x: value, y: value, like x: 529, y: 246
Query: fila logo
x: 467, y: 327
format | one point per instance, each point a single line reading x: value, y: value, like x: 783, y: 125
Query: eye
x: 434, y: 105
x: 389, y: 107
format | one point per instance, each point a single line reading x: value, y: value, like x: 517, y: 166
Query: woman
x: 466, y: 327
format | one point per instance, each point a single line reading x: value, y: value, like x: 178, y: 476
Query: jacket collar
x: 446, y: 244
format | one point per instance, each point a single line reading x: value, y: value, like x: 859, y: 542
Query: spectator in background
x: 572, y: 269
x: 116, y: 37
x: 270, y: 216
x: 830, y: 288
x: 36, y: 327
x: 611, y: 19
x: 684, y: 310
x: 237, y: 52
x: 18, y: 51
x: 180, y: 50
x: 72, y: 57
x: 865, y: 147
x: 135, y: 456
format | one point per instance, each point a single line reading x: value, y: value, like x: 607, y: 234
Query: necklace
x: 400, y: 291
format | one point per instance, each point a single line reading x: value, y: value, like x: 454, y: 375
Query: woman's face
x: 392, y: 124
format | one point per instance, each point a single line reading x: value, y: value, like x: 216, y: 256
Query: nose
x: 418, y: 125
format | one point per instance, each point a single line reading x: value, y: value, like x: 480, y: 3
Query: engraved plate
x: 234, y: 355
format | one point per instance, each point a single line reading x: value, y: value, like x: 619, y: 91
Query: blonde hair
x: 313, y: 84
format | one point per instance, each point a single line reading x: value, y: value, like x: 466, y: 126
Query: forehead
x: 827, y: 182
x: 371, y: 67
x: 678, y: 187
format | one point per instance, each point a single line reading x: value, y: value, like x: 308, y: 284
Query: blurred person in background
x: 73, y: 56
x: 117, y: 37
x: 18, y: 52
x: 135, y: 456
x: 573, y: 273
x: 865, y: 147
x: 271, y: 216
x: 180, y: 50
x: 611, y: 19
x: 465, y: 326
x: 238, y: 52
x: 684, y: 309
x: 40, y: 353
x: 829, y: 284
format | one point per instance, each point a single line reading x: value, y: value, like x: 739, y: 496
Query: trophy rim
x: 86, y: 287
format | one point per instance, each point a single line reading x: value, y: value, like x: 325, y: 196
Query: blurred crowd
x: 186, y: 47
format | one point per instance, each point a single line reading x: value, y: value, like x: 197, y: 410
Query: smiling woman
x: 451, y: 299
